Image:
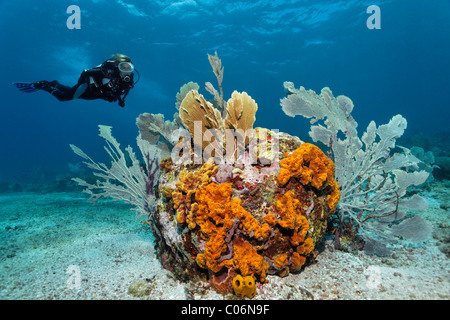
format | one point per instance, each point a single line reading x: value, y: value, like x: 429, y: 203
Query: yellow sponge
x: 244, y: 286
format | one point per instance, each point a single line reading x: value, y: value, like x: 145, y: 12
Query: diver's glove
x: 121, y: 102
x: 46, y: 85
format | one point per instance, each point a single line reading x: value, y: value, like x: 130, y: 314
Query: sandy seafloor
x: 42, y: 235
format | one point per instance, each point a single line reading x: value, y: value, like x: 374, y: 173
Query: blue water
x: 402, y: 68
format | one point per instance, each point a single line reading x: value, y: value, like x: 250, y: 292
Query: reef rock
x: 245, y: 218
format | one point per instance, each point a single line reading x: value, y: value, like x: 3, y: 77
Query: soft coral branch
x: 133, y: 183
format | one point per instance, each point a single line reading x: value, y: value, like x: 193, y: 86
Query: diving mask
x: 126, y: 67
x: 126, y: 70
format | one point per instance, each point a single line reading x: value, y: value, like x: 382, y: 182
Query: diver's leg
x: 62, y: 93
x: 80, y: 90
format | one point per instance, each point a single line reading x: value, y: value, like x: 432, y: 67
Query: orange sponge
x: 214, y: 213
x: 310, y: 165
x: 247, y: 260
x: 187, y: 185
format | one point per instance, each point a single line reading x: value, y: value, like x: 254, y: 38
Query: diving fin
x: 25, y: 86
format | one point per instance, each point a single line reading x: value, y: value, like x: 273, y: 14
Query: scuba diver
x: 110, y: 81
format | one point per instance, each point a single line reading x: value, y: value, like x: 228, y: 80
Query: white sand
x: 42, y: 235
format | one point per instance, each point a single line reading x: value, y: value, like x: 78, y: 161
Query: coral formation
x: 216, y: 65
x: 133, y: 184
x: 159, y: 132
x: 184, y: 90
x: 238, y: 221
x: 210, y: 130
x: 245, y: 223
x: 373, y: 179
x: 195, y: 110
x: 241, y: 110
x: 261, y: 211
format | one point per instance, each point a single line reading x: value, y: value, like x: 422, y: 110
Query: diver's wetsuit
x: 92, y: 84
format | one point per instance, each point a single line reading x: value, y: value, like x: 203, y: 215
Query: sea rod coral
x: 133, y: 184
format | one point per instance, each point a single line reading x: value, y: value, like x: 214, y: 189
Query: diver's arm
x: 96, y: 73
x: 121, y: 101
x: 122, y: 98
